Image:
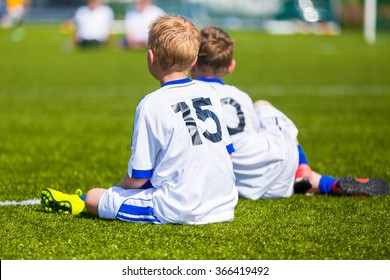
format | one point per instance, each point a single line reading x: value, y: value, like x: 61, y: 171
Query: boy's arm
x: 132, y: 183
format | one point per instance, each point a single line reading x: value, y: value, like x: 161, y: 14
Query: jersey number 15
x: 202, y: 114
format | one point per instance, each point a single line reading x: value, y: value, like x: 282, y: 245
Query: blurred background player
x: 268, y: 161
x: 91, y: 24
x: 137, y: 21
x: 15, y: 12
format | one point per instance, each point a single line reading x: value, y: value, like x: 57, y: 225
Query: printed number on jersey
x: 203, y: 108
x: 240, y: 115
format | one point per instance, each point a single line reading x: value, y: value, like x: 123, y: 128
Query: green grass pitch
x: 66, y: 119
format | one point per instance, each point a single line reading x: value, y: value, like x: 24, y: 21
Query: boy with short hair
x: 180, y: 170
x: 268, y: 161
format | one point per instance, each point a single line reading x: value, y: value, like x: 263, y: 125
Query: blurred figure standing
x: 92, y: 24
x: 15, y: 12
x: 137, y: 21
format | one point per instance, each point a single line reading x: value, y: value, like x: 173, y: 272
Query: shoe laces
x: 79, y: 192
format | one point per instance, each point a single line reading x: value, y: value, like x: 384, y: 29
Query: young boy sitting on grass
x: 268, y: 161
x: 180, y: 170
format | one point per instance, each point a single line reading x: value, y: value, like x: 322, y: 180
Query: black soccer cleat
x: 302, y: 186
x: 361, y: 187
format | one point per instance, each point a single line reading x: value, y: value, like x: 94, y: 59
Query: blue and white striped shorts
x: 130, y: 205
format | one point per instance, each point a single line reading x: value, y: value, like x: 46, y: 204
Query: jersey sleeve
x: 144, y: 147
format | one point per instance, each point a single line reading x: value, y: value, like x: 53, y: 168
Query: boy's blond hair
x: 216, y: 52
x: 175, y: 40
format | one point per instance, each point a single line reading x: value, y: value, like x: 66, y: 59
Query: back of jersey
x: 180, y: 140
x: 260, y: 153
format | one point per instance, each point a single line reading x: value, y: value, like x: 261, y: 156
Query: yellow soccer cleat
x: 56, y: 201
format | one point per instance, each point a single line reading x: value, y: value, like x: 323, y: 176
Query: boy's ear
x: 193, y: 65
x: 151, y: 56
x: 232, y: 66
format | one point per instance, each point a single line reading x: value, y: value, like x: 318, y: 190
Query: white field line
x: 33, y: 201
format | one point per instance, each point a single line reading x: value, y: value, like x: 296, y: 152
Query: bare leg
x: 315, y: 182
x: 92, y: 200
x: 262, y: 103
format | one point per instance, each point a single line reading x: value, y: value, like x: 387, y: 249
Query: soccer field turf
x: 66, y: 119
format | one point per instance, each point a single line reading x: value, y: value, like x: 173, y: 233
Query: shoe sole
x: 50, y: 204
x: 374, y: 186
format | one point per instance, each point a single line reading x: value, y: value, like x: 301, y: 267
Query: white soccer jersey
x: 181, y: 143
x: 94, y: 24
x: 137, y: 22
x: 266, y: 156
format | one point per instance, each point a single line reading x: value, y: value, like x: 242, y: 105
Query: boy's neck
x: 211, y: 79
x: 172, y: 77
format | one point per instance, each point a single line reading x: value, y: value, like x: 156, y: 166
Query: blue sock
x: 302, y: 156
x: 326, y: 183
